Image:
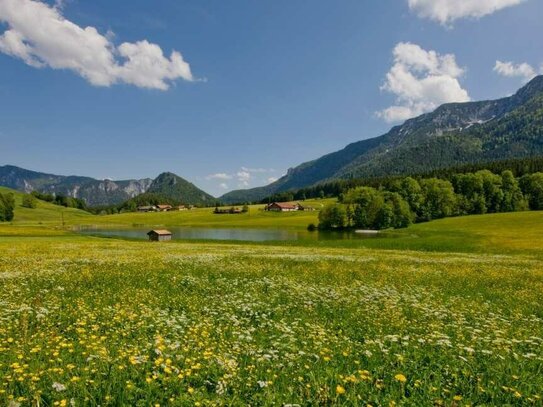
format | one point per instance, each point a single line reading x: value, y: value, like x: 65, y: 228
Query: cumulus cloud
x: 244, y: 177
x: 219, y: 175
x: 447, y: 11
x: 421, y: 81
x: 39, y: 35
x: 257, y: 170
x: 523, y: 71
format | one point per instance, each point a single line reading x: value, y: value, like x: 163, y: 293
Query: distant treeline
x: 61, y: 200
x: 518, y: 167
x: 407, y: 200
x: 145, y: 199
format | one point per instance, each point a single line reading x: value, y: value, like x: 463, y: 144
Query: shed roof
x: 160, y: 232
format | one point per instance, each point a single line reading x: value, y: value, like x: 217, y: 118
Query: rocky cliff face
x: 94, y: 192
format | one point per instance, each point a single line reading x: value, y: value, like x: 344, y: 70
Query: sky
x: 230, y: 94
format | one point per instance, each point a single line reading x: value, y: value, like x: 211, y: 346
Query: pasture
x: 446, y: 313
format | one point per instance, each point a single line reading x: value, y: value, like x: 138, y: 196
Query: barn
x: 159, y: 235
x: 281, y: 207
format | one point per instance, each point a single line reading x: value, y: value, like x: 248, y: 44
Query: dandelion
x: 401, y: 378
x: 340, y: 389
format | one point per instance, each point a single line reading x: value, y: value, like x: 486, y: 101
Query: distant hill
x: 454, y: 134
x: 103, y: 192
x: 174, y: 187
x: 94, y: 192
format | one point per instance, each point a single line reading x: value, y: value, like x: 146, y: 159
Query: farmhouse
x: 164, y: 208
x: 282, y: 207
x: 159, y: 235
x: 305, y: 208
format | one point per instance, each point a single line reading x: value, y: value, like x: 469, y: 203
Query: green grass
x: 441, y: 313
x: 110, y: 322
x: 45, y: 213
x: 497, y: 233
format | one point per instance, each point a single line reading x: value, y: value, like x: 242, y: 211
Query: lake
x: 242, y: 234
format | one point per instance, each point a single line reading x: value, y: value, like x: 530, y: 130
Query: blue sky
x: 253, y: 88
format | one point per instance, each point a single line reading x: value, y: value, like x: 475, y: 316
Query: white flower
x: 59, y: 386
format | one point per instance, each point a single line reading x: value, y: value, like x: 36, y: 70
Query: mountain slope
x: 174, y: 187
x: 454, y: 134
x: 94, y: 192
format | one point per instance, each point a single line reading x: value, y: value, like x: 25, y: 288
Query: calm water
x: 254, y: 235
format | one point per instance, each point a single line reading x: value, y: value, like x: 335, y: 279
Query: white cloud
x: 244, y: 178
x: 39, y: 35
x: 421, y: 81
x: 524, y: 71
x: 447, y: 11
x: 257, y: 170
x: 220, y: 175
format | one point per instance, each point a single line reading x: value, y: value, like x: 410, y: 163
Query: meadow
x: 447, y: 314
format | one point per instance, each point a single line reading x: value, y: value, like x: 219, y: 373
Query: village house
x: 159, y: 235
x: 282, y: 207
x: 164, y: 208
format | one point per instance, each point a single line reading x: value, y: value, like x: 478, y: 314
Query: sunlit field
x: 443, y: 313
x: 89, y: 321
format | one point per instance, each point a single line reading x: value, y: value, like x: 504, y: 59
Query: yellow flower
x: 457, y: 398
x: 340, y: 389
x: 401, y: 378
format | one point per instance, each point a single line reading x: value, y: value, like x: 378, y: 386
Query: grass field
x: 445, y: 313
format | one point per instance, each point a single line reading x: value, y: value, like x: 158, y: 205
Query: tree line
x: 518, y: 167
x: 61, y: 200
x: 408, y: 200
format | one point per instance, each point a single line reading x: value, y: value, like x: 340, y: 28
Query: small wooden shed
x: 159, y: 235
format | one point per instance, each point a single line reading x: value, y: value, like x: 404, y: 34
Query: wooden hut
x: 159, y: 235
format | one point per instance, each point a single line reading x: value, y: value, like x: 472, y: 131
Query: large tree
x: 7, y: 207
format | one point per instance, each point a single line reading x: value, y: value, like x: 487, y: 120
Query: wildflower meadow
x: 89, y: 321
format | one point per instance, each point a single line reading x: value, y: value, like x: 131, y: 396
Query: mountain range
x: 452, y: 135
x: 102, y: 192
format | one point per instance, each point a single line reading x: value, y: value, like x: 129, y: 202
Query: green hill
x: 174, y: 187
x: 45, y: 212
x: 452, y: 135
